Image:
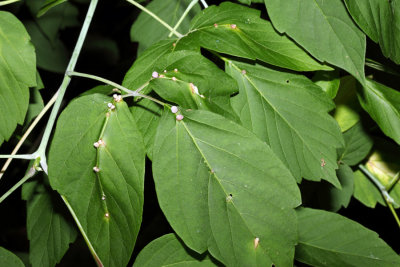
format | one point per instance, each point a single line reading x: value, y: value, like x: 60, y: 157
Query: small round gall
x: 256, y: 242
x: 107, y: 215
x: 174, y: 109
x: 215, y: 25
x: 229, y: 198
x: 174, y: 79
x: 110, y: 106
x: 116, y: 90
x: 165, y: 71
x: 103, y: 197
x: 175, y: 70
x: 244, y: 72
x: 179, y: 117
x: 162, y: 76
x: 154, y: 74
x: 233, y: 26
x: 96, y: 169
x: 173, y: 44
x: 101, y: 142
x: 96, y: 144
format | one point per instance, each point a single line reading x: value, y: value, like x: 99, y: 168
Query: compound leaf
x: 107, y: 200
x: 290, y: 113
x: 168, y: 250
x: 323, y: 28
x: 239, y: 31
x: 17, y: 73
x: 221, y: 188
x: 329, y: 239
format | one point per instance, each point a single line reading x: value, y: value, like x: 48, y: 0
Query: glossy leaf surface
x: 323, y: 28
x: 107, y: 203
x: 329, y: 239
x: 168, y: 250
x: 239, y: 31
x: 380, y: 20
x: 290, y: 113
x: 220, y: 188
x: 17, y: 73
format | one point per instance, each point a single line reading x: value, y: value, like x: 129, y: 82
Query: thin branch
x: 204, y: 3
x: 28, y: 131
x: 100, y: 79
x: 156, y: 18
x: 3, y: 3
x: 61, y: 91
x: 22, y: 156
x: 32, y: 171
x: 388, y: 199
x: 190, y: 6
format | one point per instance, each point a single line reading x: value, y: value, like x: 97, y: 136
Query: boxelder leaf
x: 192, y: 81
x: 7, y: 258
x: 239, y: 31
x: 147, y: 115
x: 329, y: 81
x: 380, y: 20
x: 329, y: 239
x: 147, y: 31
x: 17, y: 72
x: 47, y: 5
x: 365, y: 191
x: 383, y: 105
x: 142, y: 69
x: 107, y: 201
x: 49, y: 232
x: 168, y: 250
x: 220, y: 188
x: 357, y: 145
x: 290, y: 113
x: 323, y: 28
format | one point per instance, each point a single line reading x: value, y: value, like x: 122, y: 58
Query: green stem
x: 388, y: 199
x: 153, y: 99
x: 190, y: 6
x: 156, y: 18
x: 61, y: 91
x: 32, y: 171
x: 3, y: 3
x: 100, y: 79
x: 92, y: 250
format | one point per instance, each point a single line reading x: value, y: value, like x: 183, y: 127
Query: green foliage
x: 234, y: 112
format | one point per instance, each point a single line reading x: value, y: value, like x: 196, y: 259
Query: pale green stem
x: 32, y: 171
x: 61, y: 91
x: 22, y: 156
x: 190, y: 6
x: 3, y: 3
x: 100, y: 79
x: 28, y: 131
x: 388, y: 199
x: 149, y: 98
x: 156, y: 18
x: 204, y: 3
x: 141, y: 87
x: 92, y: 250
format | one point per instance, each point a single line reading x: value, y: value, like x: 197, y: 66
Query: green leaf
x: 365, y: 191
x: 357, y: 145
x: 168, y: 250
x: 103, y: 89
x: 141, y: 70
x: 290, y: 113
x: 329, y: 239
x: 147, y: 115
x: 347, y: 112
x: 239, y: 31
x: 48, y: 5
x: 50, y: 56
x: 383, y: 105
x: 380, y: 20
x: 17, y: 73
x: 147, y: 31
x: 329, y: 81
x: 9, y: 259
x: 192, y: 81
x: 49, y: 232
x: 323, y: 28
x: 331, y: 198
x: 108, y: 204
x: 220, y: 188
x: 35, y: 106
